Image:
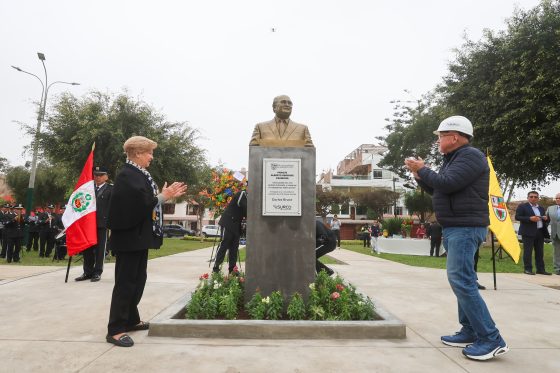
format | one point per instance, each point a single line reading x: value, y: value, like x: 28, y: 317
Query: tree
x: 50, y: 184
x: 108, y: 120
x: 17, y: 179
x: 507, y: 85
x: 411, y: 134
x: 376, y: 199
x: 419, y: 203
x: 4, y: 165
x: 327, y: 201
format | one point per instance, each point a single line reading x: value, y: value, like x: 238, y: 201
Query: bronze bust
x: 281, y: 131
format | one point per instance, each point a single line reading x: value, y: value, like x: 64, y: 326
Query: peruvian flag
x: 80, y: 217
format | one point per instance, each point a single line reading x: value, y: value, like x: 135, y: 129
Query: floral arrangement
x: 406, y: 227
x: 221, y: 297
x: 222, y: 188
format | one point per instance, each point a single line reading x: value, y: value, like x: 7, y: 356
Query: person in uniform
x: 14, y: 233
x: 59, y: 242
x: 94, y: 256
x: 33, y: 226
x: 3, y: 216
x: 46, y: 231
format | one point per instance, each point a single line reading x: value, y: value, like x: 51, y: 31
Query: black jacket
x: 460, y: 189
x: 130, y: 212
x: 527, y: 227
x: 234, y: 213
x: 103, y: 198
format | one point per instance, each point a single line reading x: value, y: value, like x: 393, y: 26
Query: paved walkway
x: 49, y: 326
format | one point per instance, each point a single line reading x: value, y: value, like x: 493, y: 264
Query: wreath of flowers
x: 223, y: 187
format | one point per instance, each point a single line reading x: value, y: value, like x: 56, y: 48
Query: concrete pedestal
x: 280, y: 249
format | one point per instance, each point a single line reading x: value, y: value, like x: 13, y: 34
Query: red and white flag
x: 80, y: 217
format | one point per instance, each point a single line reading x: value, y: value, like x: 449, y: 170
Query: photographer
x: 325, y: 243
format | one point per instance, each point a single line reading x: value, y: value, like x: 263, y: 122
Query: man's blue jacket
x: 460, y: 189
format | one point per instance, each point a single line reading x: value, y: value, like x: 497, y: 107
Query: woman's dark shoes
x: 95, y: 278
x: 141, y: 326
x: 123, y: 341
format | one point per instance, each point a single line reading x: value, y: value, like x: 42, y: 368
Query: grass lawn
x: 170, y: 246
x: 505, y: 265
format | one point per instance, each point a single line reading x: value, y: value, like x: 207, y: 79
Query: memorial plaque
x: 281, y: 187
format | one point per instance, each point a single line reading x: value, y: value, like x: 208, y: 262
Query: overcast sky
x: 218, y: 64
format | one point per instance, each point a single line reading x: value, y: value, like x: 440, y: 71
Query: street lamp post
x: 394, y: 199
x: 40, y: 117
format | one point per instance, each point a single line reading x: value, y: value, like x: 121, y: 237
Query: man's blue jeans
x: 461, y: 244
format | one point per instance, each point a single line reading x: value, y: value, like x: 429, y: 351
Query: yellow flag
x: 500, y: 220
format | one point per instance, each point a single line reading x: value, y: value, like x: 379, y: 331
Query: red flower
x: 204, y: 276
x: 335, y: 295
x: 235, y: 269
x: 339, y: 287
x: 242, y: 279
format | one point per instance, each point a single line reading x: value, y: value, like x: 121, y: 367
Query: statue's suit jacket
x: 552, y: 213
x: 269, y: 131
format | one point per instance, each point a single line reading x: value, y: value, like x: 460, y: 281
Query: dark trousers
x: 130, y: 280
x: 435, y: 243
x: 337, y: 234
x: 229, y: 243
x: 4, y: 243
x: 367, y: 240
x: 319, y: 252
x: 46, y: 242
x: 94, y: 256
x: 13, y: 249
x: 537, y: 243
x: 33, y: 241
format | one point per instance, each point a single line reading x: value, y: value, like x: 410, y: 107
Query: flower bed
x: 221, y: 297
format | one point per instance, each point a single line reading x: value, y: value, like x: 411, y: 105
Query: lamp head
x: 41, y: 56
x: 17, y: 68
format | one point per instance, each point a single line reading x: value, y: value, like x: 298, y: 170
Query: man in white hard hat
x: 460, y: 200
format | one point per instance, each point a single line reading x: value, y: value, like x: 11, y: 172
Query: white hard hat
x: 456, y: 123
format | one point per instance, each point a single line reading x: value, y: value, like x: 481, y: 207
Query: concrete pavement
x: 49, y: 326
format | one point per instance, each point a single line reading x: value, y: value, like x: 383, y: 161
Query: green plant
x: 219, y: 296
x: 296, y: 308
x: 257, y: 306
x: 216, y: 296
x: 393, y: 225
x: 275, y: 306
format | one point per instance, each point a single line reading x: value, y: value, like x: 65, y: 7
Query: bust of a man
x: 281, y: 131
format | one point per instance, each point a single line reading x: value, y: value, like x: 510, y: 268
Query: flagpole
x: 68, y: 269
x: 493, y: 259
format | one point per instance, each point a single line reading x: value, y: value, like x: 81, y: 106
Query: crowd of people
x: 43, y: 226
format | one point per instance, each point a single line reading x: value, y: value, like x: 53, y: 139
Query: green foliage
x: 256, y: 306
x: 333, y: 299
x: 375, y: 200
x: 51, y: 184
x: 296, y: 308
x: 216, y: 296
x: 393, y: 225
x: 508, y: 85
x: 108, y: 120
x: 4, y: 165
x: 411, y: 133
x: 330, y: 299
x: 275, y: 306
x: 328, y: 201
x: 418, y: 202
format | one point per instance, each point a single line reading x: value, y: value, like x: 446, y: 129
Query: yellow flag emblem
x: 500, y: 220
